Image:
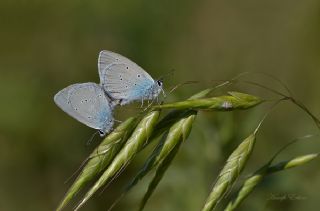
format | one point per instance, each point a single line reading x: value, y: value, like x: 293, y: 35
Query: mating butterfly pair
x: 121, y: 82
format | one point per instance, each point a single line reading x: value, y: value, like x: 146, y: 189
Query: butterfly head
x: 160, y: 83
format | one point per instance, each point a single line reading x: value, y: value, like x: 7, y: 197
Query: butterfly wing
x: 121, y: 78
x: 87, y: 103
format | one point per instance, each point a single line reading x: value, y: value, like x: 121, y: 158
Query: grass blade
x: 100, y: 158
x: 230, y: 172
x: 134, y: 144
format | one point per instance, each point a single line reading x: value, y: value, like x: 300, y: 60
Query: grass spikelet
x: 297, y: 161
x: 230, y: 172
x: 254, y: 180
x: 177, y: 133
x: 134, y: 144
x: 100, y: 158
x: 235, y: 100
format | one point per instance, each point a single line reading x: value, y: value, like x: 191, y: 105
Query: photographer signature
x: 286, y: 196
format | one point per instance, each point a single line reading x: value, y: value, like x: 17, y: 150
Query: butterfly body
x: 87, y: 103
x: 124, y: 81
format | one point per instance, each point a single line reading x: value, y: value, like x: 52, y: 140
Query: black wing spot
x: 139, y: 75
x: 135, y: 84
x: 127, y: 68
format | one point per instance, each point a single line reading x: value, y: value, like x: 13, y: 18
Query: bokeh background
x: 47, y: 45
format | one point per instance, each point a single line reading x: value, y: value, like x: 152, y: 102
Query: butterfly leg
x: 164, y: 94
x: 150, y: 104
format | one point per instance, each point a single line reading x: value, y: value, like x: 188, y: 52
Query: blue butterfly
x: 124, y: 81
x: 88, y: 104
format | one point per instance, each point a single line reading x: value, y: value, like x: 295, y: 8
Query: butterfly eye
x: 159, y: 82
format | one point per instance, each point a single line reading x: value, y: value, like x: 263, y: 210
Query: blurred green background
x: 47, y: 45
